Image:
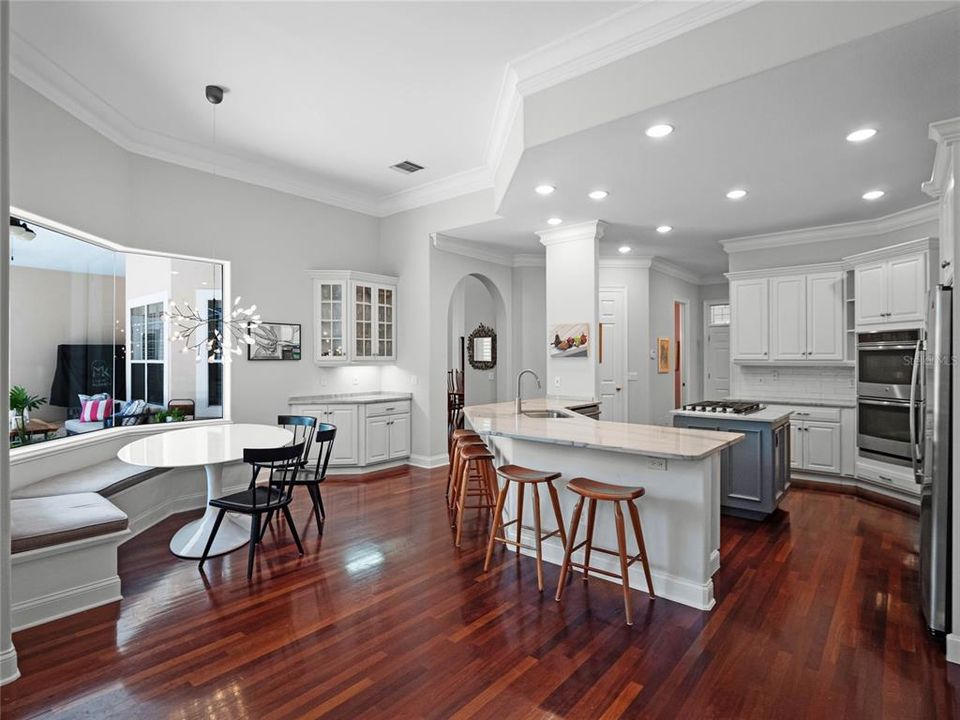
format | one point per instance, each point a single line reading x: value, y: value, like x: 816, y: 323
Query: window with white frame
x: 719, y: 314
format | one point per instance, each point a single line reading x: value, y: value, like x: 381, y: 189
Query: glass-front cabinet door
x: 385, y: 321
x: 355, y: 317
x: 363, y: 339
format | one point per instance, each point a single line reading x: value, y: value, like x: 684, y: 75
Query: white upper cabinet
x: 355, y: 317
x: 806, y: 315
x: 824, y: 316
x: 788, y: 317
x: 748, y: 319
x: 892, y: 288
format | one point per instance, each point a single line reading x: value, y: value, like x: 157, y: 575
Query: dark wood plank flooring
x: 817, y: 618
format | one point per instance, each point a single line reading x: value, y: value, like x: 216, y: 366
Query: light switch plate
x: 356, y: 379
x: 556, y: 381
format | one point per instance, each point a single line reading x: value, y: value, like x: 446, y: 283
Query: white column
x: 8, y: 653
x: 573, y: 296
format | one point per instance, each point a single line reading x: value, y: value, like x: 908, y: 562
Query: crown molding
x: 675, y: 271
x: 469, y: 249
x: 526, y: 260
x: 945, y: 134
x: 892, y: 251
x: 786, y: 271
x: 904, y: 219
x: 632, y: 30
x: 626, y: 262
x: 716, y: 279
x: 592, y: 230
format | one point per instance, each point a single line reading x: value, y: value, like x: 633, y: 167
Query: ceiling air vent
x: 406, y: 167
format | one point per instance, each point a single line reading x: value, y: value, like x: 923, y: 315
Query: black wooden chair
x: 325, y: 436
x: 283, y: 464
x: 303, y: 427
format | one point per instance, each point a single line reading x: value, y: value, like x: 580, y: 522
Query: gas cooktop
x: 725, y: 407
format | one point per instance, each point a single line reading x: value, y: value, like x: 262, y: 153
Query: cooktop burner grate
x: 725, y: 407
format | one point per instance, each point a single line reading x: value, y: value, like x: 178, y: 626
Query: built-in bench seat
x: 64, y: 538
x: 40, y: 522
x: 104, y: 478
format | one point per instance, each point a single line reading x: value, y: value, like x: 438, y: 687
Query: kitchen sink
x: 545, y: 414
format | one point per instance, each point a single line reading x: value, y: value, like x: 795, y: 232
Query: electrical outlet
x: 657, y: 464
x: 413, y: 380
x: 556, y: 381
x: 356, y: 379
x: 776, y: 374
x: 323, y: 381
x: 491, y: 377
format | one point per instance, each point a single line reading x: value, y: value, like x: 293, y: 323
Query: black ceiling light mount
x: 214, y: 94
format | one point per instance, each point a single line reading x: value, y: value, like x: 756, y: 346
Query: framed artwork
x: 571, y: 340
x: 663, y: 355
x: 274, y: 341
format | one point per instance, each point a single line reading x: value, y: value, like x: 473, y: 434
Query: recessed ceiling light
x: 597, y: 194
x: 861, y: 134
x: 659, y: 131
x: 623, y: 249
x: 738, y: 194
x: 873, y: 194
x: 174, y: 272
x: 554, y: 221
x: 545, y: 189
x: 663, y: 229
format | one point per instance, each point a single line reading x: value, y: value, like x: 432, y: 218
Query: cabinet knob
x: 945, y: 264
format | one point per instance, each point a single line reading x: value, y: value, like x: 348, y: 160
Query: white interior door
x: 612, y: 371
x: 716, y: 371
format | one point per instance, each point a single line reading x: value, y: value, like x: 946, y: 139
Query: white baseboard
x: 666, y: 586
x: 8, y: 665
x: 953, y: 648
x: 429, y: 461
x: 54, y: 606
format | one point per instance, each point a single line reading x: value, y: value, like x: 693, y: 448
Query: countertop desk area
x: 679, y: 468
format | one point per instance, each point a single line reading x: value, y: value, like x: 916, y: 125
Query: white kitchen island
x: 679, y: 468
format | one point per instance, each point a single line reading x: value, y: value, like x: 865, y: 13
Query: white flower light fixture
x: 195, y: 330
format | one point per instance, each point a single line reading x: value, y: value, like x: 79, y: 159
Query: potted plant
x: 21, y: 403
x: 175, y: 415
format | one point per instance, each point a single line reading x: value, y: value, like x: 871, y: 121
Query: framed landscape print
x: 663, y: 355
x: 274, y: 341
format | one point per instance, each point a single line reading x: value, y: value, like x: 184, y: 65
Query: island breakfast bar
x: 679, y: 468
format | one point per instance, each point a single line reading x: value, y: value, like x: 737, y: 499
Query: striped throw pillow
x: 95, y: 410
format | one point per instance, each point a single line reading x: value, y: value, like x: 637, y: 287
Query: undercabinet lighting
x: 861, y: 134
x: 664, y: 229
x: 659, y: 131
x: 598, y: 194
x: 545, y: 189
x: 623, y: 249
x: 873, y: 194
x: 554, y: 221
x: 738, y: 194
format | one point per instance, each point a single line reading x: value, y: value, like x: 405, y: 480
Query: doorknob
x: 618, y: 389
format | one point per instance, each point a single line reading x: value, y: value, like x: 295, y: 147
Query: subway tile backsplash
x: 794, y: 383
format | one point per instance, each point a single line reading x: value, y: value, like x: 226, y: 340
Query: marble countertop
x: 837, y: 402
x: 500, y: 419
x: 767, y: 415
x: 358, y: 398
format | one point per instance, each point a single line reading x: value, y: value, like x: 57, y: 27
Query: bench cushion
x: 45, y: 521
x: 106, y: 478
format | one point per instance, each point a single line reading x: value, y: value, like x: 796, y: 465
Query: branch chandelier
x: 203, y: 334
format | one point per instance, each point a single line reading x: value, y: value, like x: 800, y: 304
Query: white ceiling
x: 780, y: 134
x: 327, y: 94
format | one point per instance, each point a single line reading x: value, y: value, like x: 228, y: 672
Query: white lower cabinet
x: 366, y: 433
x: 816, y: 439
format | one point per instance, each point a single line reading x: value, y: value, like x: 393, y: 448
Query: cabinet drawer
x: 888, y: 475
x: 817, y: 414
x: 388, y: 408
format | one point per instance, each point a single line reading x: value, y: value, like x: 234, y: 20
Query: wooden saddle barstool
x: 522, y: 477
x: 476, y: 469
x: 593, y: 491
x: 466, y: 439
x: 456, y: 437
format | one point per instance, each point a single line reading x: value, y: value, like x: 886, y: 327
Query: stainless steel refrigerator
x: 931, y: 434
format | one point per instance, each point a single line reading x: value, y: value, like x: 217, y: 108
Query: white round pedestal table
x: 210, y: 446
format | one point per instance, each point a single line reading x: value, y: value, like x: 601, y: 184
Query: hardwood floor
x: 817, y: 618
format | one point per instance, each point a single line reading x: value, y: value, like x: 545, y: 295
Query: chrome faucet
x: 519, y: 378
